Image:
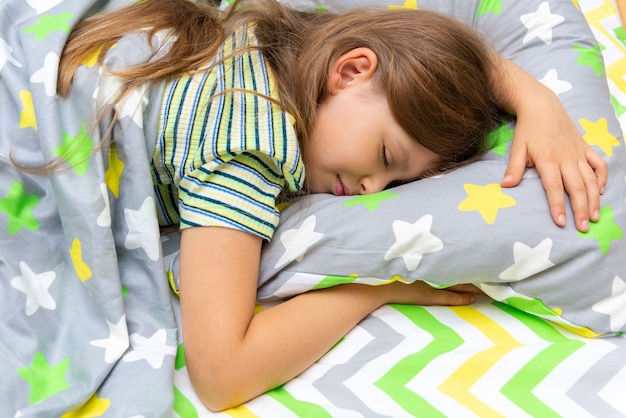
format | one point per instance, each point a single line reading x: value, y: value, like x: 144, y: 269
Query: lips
x: 340, y: 188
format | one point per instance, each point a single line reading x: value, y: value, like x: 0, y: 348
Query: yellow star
x: 408, y: 4
x: 82, y: 269
x: 92, y: 59
x: 485, y: 199
x: 114, y: 172
x: 597, y: 133
x: 94, y: 407
x: 27, y: 117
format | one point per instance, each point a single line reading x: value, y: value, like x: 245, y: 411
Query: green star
x: 45, y: 380
x: 500, y: 138
x: 591, y: 57
x: 48, y: 24
x: 619, y: 108
x: 320, y: 9
x: 76, y: 150
x: 605, y: 230
x: 371, y: 201
x: 19, y: 207
x: 486, y: 6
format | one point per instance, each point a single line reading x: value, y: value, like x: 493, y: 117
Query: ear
x: 356, y: 65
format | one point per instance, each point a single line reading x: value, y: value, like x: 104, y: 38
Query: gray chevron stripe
x: 586, y: 390
x: 332, y: 385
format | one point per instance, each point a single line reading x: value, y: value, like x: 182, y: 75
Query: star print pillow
x: 462, y: 227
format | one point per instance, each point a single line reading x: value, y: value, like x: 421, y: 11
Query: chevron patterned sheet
x: 91, y: 328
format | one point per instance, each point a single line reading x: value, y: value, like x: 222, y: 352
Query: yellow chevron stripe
x: 616, y: 69
x: 458, y: 385
x: 241, y: 412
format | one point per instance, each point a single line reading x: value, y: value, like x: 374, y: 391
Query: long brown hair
x: 434, y: 70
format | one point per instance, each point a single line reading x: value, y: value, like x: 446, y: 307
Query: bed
x: 90, y: 324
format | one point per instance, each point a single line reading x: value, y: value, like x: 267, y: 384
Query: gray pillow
x: 462, y: 227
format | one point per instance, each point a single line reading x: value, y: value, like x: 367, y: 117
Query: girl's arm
x: 234, y: 355
x: 546, y: 137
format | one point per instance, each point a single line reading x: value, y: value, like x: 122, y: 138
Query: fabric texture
x: 224, y: 154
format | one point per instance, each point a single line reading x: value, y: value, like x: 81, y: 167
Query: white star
x: 133, y: 105
x: 42, y: 6
x: 413, y: 241
x: 541, y: 23
x: 615, y: 305
x: 108, y: 90
x: 48, y: 74
x: 143, y: 229
x: 551, y: 81
x: 298, y: 241
x: 104, y: 219
x: 36, y: 288
x: 152, y: 349
x: 5, y: 55
x: 117, y: 342
x: 528, y: 261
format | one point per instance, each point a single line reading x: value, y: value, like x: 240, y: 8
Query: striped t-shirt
x: 224, y: 153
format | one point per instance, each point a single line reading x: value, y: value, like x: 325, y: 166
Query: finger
x: 465, y: 288
x: 552, y: 181
x: 590, y: 179
x: 449, y: 298
x: 517, y: 164
x: 600, y: 168
x: 577, y: 191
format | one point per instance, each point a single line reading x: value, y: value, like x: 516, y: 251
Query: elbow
x: 220, y: 385
x: 214, y: 391
x: 217, y: 403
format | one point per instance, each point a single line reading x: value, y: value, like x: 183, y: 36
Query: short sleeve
x: 239, y: 194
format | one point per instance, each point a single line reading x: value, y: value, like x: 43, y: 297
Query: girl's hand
x: 420, y: 293
x: 547, y: 139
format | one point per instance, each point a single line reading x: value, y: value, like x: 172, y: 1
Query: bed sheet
x: 90, y: 326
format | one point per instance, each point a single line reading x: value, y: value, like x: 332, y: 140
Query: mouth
x: 340, y: 188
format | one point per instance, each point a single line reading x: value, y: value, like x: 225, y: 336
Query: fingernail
x: 596, y: 215
x: 507, y: 178
x: 602, y: 190
x: 562, y: 220
x: 584, y: 225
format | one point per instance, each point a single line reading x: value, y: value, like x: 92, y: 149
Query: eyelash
x: 384, y: 157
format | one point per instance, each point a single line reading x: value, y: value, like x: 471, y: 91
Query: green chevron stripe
x: 393, y: 383
x: 544, y: 329
x: 519, y: 388
x: 183, y: 406
x: 330, y: 281
x: 301, y: 408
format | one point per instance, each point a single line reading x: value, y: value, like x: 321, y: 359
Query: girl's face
x: 357, y: 147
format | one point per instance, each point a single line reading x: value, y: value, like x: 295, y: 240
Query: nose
x: 373, y: 184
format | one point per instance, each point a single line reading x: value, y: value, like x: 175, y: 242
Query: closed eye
x: 383, y: 156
